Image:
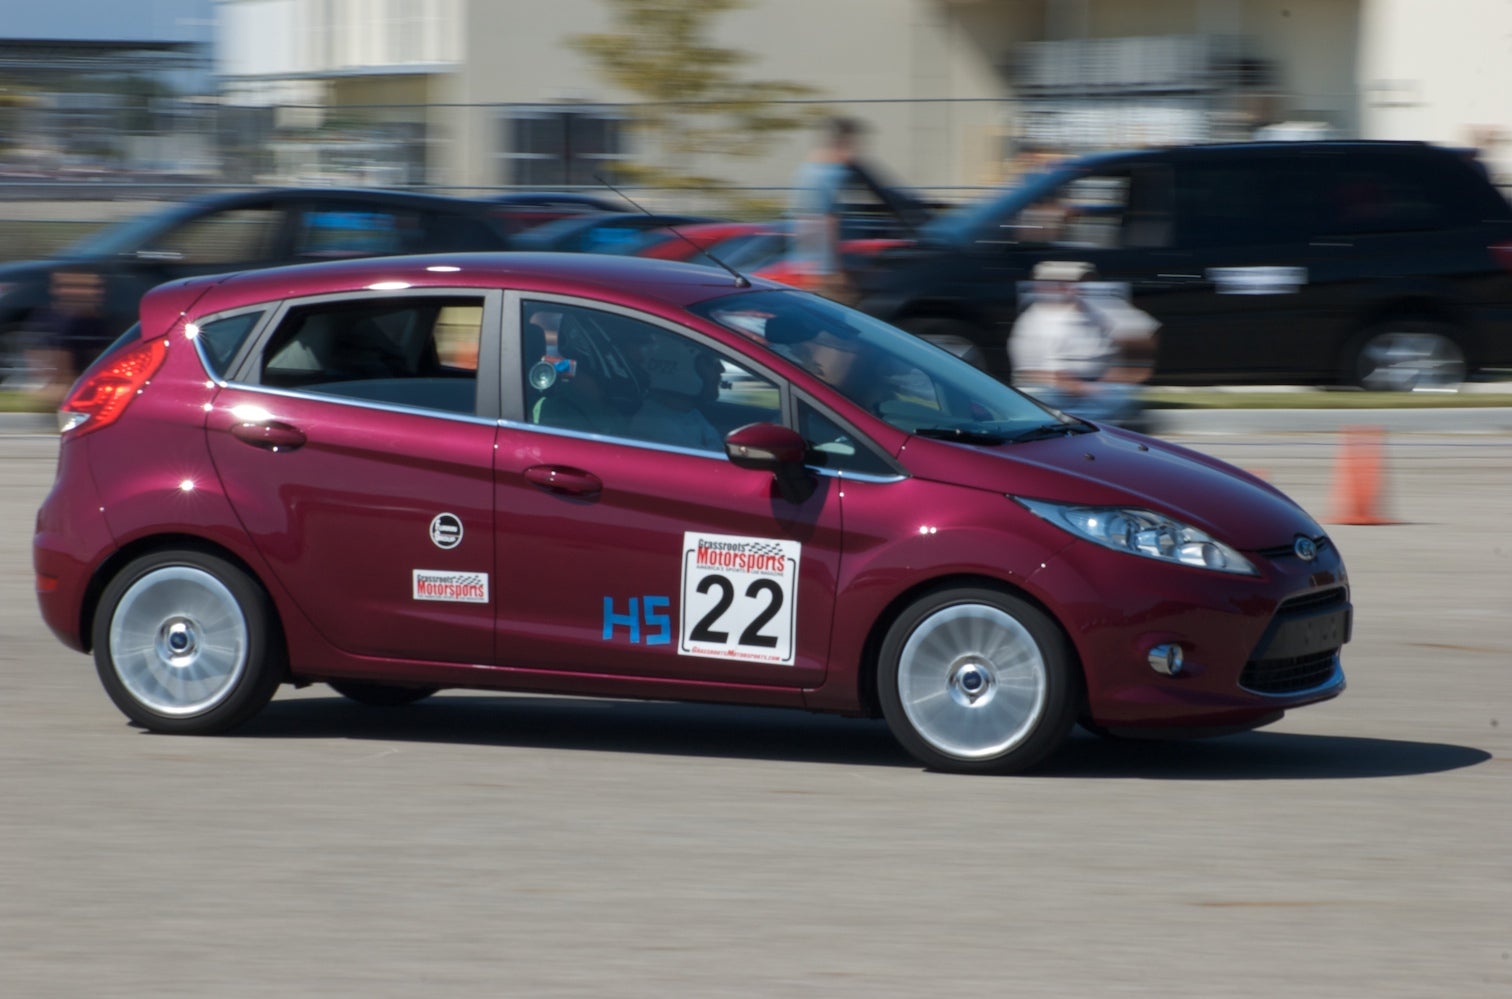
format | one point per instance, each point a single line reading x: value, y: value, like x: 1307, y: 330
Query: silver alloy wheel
x: 1411, y: 361
x: 179, y: 641
x: 972, y: 681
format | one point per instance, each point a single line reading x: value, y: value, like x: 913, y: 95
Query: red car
x: 619, y: 477
x: 687, y: 242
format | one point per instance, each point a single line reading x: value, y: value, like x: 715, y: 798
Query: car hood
x: 1118, y: 468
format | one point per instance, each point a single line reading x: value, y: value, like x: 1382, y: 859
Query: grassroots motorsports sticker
x: 739, y: 598
x: 453, y: 587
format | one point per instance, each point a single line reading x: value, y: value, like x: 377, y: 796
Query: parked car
x: 536, y: 472
x: 522, y: 210
x: 723, y: 239
x: 1381, y: 264
x: 224, y: 232
x: 606, y: 232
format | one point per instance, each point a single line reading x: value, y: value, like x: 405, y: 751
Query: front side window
x: 418, y: 352
x: 602, y: 373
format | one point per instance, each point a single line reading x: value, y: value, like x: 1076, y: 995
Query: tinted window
x: 1101, y: 211
x: 1385, y: 194
x: 243, y: 235
x: 341, y: 232
x: 1264, y: 200
x: 420, y: 352
x: 220, y: 339
x: 833, y: 445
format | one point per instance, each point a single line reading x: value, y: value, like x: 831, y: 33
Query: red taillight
x: 104, y: 393
x: 1503, y: 254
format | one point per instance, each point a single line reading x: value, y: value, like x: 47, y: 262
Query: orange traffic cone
x: 1359, y: 480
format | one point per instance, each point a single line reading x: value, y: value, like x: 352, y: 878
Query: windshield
x: 128, y: 236
x: 967, y: 223
x: 913, y: 385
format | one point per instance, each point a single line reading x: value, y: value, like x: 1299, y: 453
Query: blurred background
x: 695, y: 105
x: 702, y: 110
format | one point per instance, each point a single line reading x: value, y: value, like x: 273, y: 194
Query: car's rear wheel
x: 380, y: 695
x: 187, y: 643
x: 1409, y: 356
x: 975, y: 680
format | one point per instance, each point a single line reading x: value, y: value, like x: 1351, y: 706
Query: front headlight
x: 1142, y: 532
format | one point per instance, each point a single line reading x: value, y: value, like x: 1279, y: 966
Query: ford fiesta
x: 629, y: 478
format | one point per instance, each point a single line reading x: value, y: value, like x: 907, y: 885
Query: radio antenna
x: 741, y: 281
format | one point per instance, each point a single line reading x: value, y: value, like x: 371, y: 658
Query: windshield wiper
x: 1045, y: 430
x: 962, y: 435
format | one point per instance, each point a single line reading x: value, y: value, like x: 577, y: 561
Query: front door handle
x: 271, y: 435
x: 563, y: 479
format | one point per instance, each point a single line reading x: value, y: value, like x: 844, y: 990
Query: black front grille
x: 1311, y: 601
x: 1299, y: 651
x: 1287, y: 676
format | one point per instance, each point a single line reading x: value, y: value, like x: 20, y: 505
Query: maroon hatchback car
x: 619, y: 477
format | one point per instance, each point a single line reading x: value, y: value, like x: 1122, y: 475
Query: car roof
x: 373, y: 196
x: 1206, y: 149
x: 633, y: 281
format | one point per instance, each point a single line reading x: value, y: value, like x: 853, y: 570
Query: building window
x: 551, y: 147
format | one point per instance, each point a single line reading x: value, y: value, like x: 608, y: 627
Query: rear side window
x: 417, y: 352
x: 221, y: 338
x: 335, y: 233
x: 1386, y: 193
x: 235, y: 236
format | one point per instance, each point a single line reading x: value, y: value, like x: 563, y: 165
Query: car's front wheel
x: 187, y: 643
x: 975, y: 680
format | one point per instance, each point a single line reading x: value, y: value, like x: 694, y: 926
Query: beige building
x: 487, y: 93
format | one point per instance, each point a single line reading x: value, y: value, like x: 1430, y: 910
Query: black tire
x: 960, y: 338
x: 958, y: 703
x: 380, y: 695
x: 186, y: 643
x: 1408, y: 355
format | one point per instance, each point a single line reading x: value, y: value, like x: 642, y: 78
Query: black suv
x: 1381, y: 264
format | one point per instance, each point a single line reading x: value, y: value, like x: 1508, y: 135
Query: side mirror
x: 766, y: 447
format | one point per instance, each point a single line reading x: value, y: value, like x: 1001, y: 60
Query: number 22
x: 704, y: 631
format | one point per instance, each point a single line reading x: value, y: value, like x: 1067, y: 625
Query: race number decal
x: 739, y: 598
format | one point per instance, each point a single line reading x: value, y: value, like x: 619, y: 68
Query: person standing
x: 815, y: 209
x: 1084, y: 356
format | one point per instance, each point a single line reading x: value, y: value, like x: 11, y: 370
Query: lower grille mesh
x: 1287, y: 676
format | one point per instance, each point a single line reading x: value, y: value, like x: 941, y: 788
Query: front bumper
x: 1253, y: 646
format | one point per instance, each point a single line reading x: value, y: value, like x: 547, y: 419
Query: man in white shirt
x: 1074, y: 353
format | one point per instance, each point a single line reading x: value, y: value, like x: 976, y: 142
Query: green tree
x: 690, y: 101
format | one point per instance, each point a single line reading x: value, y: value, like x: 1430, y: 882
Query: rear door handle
x: 563, y: 479
x: 271, y: 435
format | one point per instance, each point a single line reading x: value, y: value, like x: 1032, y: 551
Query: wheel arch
x: 871, y: 649
x: 125, y: 555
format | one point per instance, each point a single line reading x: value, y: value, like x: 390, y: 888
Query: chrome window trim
x: 486, y: 383
x: 382, y: 407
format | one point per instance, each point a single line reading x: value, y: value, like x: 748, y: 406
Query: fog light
x: 1165, y: 659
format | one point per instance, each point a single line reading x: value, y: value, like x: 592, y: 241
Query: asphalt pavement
x: 493, y: 845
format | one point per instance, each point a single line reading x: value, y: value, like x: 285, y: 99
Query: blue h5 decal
x: 643, y: 609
